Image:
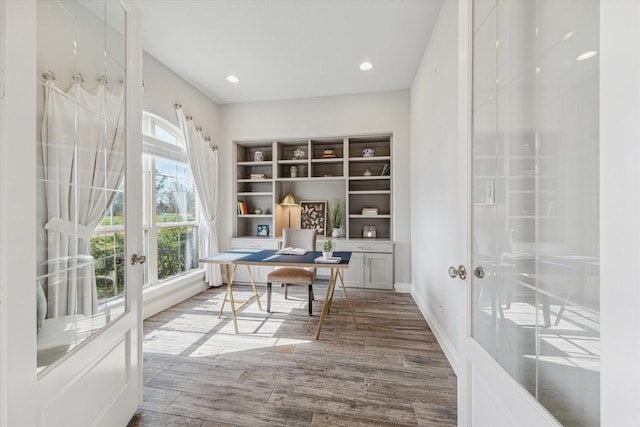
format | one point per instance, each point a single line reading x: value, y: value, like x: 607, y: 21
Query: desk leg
x: 253, y: 283
x: 344, y: 289
x: 229, y: 282
x: 327, y: 300
x: 229, y: 294
x: 333, y: 290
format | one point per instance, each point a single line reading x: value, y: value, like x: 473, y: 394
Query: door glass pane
x: 535, y: 199
x: 81, y: 158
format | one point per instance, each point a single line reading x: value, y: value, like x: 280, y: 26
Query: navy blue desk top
x: 269, y: 257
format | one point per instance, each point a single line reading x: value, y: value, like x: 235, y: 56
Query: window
x: 170, y: 219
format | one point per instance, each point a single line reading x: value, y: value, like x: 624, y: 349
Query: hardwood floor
x: 389, y: 371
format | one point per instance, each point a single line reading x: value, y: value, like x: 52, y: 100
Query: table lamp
x: 289, y: 201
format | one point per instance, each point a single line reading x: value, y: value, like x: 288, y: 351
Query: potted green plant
x: 335, y: 215
x: 327, y: 249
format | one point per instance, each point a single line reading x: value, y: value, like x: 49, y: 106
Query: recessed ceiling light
x: 232, y: 79
x: 587, y: 55
x: 366, y: 66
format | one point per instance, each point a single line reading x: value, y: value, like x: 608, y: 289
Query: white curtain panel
x: 83, y: 153
x: 203, y: 160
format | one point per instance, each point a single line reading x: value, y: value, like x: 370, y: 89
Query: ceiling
x: 289, y: 48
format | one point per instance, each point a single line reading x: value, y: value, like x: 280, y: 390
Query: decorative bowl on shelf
x: 328, y: 154
x: 368, y: 152
x: 258, y: 211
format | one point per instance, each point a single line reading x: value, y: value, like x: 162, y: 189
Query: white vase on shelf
x: 337, y: 232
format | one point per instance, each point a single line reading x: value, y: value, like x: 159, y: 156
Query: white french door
x: 71, y: 345
x: 549, y: 105
x: 97, y: 379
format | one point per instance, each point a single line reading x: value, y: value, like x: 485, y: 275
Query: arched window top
x: 161, y: 129
x: 162, y: 138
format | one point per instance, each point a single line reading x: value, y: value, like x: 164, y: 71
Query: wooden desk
x: 250, y: 257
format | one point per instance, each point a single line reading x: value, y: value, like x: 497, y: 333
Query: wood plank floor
x: 389, y: 371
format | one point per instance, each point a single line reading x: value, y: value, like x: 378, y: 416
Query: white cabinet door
x: 378, y: 271
x: 260, y: 274
x: 354, y: 275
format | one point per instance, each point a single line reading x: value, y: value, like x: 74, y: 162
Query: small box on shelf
x: 368, y: 231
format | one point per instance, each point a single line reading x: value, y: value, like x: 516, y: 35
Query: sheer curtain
x: 203, y: 160
x: 83, y: 153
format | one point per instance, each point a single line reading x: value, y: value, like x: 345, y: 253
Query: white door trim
x: 17, y: 232
x: 619, y: 211
x: 464, y: 206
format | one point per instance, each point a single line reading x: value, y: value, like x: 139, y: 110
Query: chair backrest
x: 304, y: 238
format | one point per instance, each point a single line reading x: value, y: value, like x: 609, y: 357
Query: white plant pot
x: 337, y: 232
x: 327, y: 254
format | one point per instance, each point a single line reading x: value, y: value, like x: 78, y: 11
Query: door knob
x: 460, y: 272
x: 478, y: 272
x: 135, y: 259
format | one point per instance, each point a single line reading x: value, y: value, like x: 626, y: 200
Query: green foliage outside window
x: 170, y: 255
x: 104, y: 249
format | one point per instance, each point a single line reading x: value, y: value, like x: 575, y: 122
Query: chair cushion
x: 292, y: 275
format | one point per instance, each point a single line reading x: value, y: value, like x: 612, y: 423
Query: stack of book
x: 257, y: 176
x: 369, y: 211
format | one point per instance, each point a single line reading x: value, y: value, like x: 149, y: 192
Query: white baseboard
x: 402, y: 288
x: 447, y: 347
x: 157, y: 299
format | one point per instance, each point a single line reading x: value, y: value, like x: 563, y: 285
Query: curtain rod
x: 49, y: 75
x: 198, y: 128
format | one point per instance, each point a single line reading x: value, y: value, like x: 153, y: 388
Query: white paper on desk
x: 332, y: 260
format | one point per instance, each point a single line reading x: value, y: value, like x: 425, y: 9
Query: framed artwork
x: 263, y: 230
x: 313, y: 214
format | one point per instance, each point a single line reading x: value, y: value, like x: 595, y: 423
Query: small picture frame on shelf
x: 313, y: 214
x: 263, y: 230
x: 385, y: 170
x: 368, y: 231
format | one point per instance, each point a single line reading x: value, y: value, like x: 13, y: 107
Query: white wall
x: 434, y: 202
x: 163, y: 88
x: 331, y: 115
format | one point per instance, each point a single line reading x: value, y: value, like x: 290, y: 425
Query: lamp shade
x: 289, y: 200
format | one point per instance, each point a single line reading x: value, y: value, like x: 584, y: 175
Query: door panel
x: 89, y: 213
x: 534, y: 217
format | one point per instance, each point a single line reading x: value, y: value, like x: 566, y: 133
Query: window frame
x: 153, y: 147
